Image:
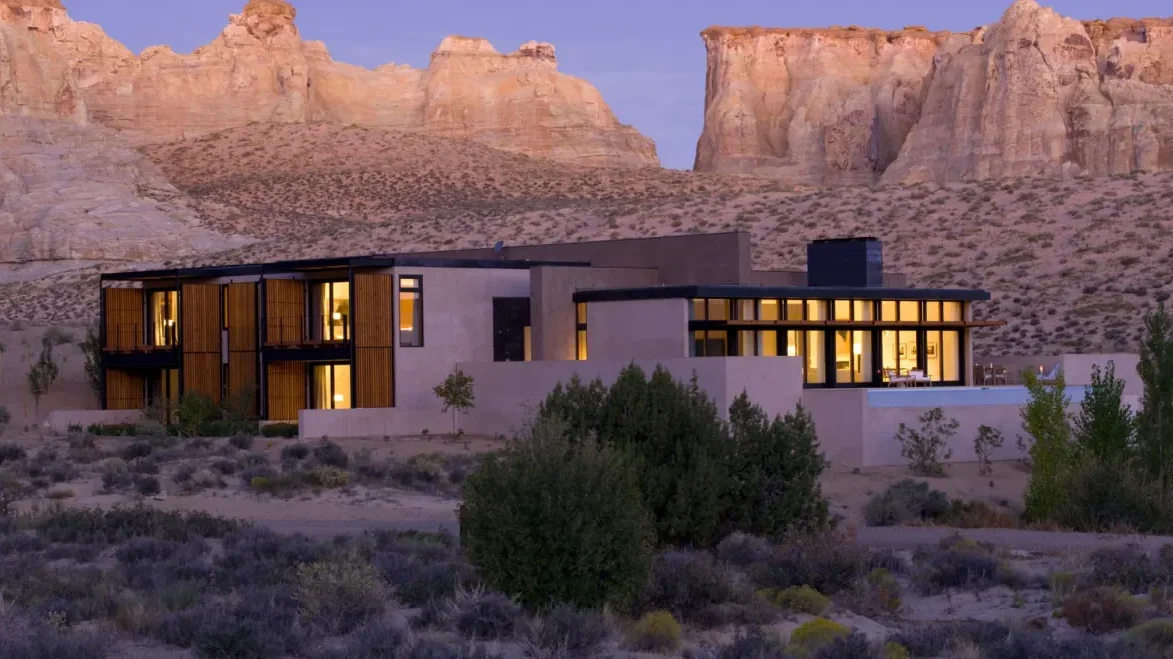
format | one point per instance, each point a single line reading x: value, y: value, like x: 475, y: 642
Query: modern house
x: 353, y: 347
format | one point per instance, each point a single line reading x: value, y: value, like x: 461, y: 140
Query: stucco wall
x: 552, y: 311
x: 839, y: 416
x: 458, y: 327
x: 637, y: 330
x: 1077, y: 369
x: 69, y: 392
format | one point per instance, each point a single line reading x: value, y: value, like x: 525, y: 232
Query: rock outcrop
x: 73, y: 194
x: 259, y: 70
x: 1033, y: 94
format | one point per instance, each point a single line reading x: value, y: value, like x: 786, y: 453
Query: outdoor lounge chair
x: 919, y: 377
x: 894, y: 378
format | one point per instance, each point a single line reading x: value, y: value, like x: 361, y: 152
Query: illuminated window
x: 411, y: 312
x: 747, y: 309
x: 842, y: 309
x: 696, y: 310
x: 769, y: 310
x: 718, y: 310
x: 331, y: 387
x: 331, y: 310
x: 853, y: 357
x: 932, y: 312
x: 951, y: 312
x: 909, y: 311
x: 580, y: 334
x: 888, y: 310
x: 795, y: 310
x: 164, y: 318
x: 864, y: 309
x: 816, y: 309
x: 709, y: 344
x: 900, y: 351
x: 816, y: 372
x: 943, y: 355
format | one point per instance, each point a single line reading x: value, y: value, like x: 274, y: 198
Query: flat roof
x: 792, y: 292
x: 309, y: 265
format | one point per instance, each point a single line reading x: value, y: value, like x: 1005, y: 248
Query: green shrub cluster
x: 282, y: 430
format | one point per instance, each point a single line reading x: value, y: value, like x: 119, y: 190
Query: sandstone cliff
x: 259, y: 70
x: 1033, y: 94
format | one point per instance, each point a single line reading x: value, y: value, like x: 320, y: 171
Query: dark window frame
x: 580, y: 332
x: 419, y: 304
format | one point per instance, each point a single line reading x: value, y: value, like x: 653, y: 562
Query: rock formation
x: 259, y: 70
x: 73, y: 194
x: 1034, y: 94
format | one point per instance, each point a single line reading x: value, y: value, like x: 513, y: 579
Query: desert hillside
x: 1032, y: 94
x: 1072, y: 263
x: 259, y: 69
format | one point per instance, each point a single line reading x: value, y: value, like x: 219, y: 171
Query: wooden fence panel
x: 125, y: 390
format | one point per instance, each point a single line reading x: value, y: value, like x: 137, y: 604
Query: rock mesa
x: 259, y: 70
x: 1033, y: 94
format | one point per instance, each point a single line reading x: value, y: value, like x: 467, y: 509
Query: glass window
x: 581, y: 341
x: 899, y: 352
x: 411, y: 312
x: 853, y: 357
x: 909, y: 311
x: 697, y: 345
x: 747, y: 343
x: 164, y: 318
x: 718, y: 310
x: 709, y: 344
x: 843, y: 360
x: 864, y: 310
x: 580, y: 312
x: 815, y: 367
x: 951, y: 312
x: 696, y: 311
x: 527, y: 338
x: 746, y: 309
x: 769, y: 310
x: 889, y: 358
x: 331, y: 387
x: 795, y: 310
x: 888, y: 310
x: 816, y: 309
x: 842, y: 309
x: 331, y: 310
x: 932, y: 312
x: 768, y: 343
x: 907, y: 351
x: 951, y: 356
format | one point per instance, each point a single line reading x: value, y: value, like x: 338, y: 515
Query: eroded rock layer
x: 1033, y: 94
x: 259, y: 70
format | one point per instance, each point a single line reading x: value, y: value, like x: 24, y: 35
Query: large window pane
x: 164, y: 315
x: 843, y: 357
x: 861, y: 356
x: 581, y: 340
x: 907, y: 351
x: 864, y: 309
x: 816, y: 309
x: 580, y: 313
x: 933, y: 355
x: 341, y: 396
x: 951, y: 312
x: 951, y: 356
x: 932, y: 312
x: 795, y: 310
x: 331, y: 387
x: 747, y: 309
x: 816, y: 371
x: 888, y: 310
x: 769, y: 310
x: 718, y: 310
x: 768, y: 343
x: 411, y: 312
x: 909, y: 311
x: 717, y: 344
x: 796, y: 344
x: 747, y: 343
x: 696, y: 310
x: 889, y: 348
x: 339, y: 310
x: 842, y: 309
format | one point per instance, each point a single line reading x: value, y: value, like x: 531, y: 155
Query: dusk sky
x: 646, y: 56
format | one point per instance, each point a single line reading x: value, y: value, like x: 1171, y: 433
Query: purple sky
x: 645, y: 55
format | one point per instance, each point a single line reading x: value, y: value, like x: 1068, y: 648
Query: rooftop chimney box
x: 845, y: 262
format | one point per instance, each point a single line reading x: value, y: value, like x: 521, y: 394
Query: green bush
x: 810, y: 636
x: 778, y: 465
x: 927, y: 450
x: 1154, y: 432
x: 195, y: 413
x: 894, y: 651
x: 555, y: 520
x: 1103, y: 495
x: 1154, y: 635
x: 1102, y: 609
x: 282, y: 430
x: 657, y: 631
x: 904, y: 502
x: 328, y: 477
x: 1044, y: 418
x: 339, y: 595
x: 801, y: 599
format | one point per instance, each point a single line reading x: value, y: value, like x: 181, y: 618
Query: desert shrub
x: 147, y: 486
x: 1044, y: 418
x: 778, y: 465
x: 1104, y: 425
x: 1102, y: 609
x: 331, y: 455
x: 421, y: 567
x: 938, y: 638
x: 241, y: 442
x: 118, y: 524
x: 879, y: 594
x: 148, y: 466
x: 1154, y: 634
x: 1100, y: 495
x: 959, y: 563
x: 755, y: 644
x: 328, y: 477
x: 742, y: 550
x: 829, y: 562
x: 553, y: 520
x: 801, y: 599
x: 11, y: 453
x: 892, y: 650
x: 295, y: 452
x: 565, y: 631
x: 195, y: 415
x: 927, y: 450
x: 262, y: 624
x: 378, y: 639
x: 904, y: 502
x: 283, y: 430
x: 688, y: 583
x: 224, y: 467
x: 25, y: 638
x: 486, y: 615
x: 656, y: 631
x: 812, y: 635
x: 852, y: 646
x: 1129, y: 567
x: 987, y: 440
x: 1041, y: 645
x: 112, y: 429
x: 116, y: 478
x: 339, y: 595
x: 258, y: 557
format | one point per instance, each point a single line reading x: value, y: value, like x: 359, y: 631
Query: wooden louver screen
x: 124, y: 390
x: 202, y: 350
x: 124, y: 318
x: 374, y: 380
x: 242, y: 341
x: 286, y: 391
x: 284, y: 312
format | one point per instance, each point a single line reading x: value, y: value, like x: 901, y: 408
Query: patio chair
x: 918, y: 377
x: 894, y: 379
x: 1001, y: 375
x: 987, y: 374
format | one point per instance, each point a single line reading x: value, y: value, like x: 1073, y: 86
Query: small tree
x: 457, y: 394
x: 42, y: 374
x: 1104, y: 425
x: 987, y: 440
x: 1044, y: 418
x: 927, y: 450
x: 91, y: 348
x: 1154, y: 423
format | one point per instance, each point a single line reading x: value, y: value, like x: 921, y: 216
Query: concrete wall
x: 1077, y: 369
x: 22, y: 347
x: 508, y: 393
x: 637, y: 330
x: 458, y: 327
x: 839, y: 420
x: 552, y: 311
